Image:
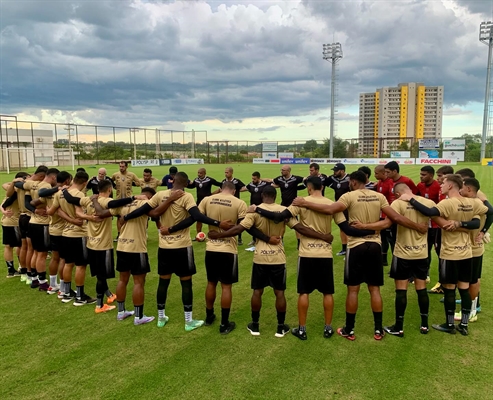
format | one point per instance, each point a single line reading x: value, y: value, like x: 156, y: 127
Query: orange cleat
x: 103, y: 309
x: 111, y: 299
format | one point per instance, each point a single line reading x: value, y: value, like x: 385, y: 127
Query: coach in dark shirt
x: 288, y: 185
x: 168, y: 179
x: 203, y: 184
x: 93, y: 182
x: 256, y: 187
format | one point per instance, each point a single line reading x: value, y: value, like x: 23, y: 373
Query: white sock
x: 161, y: 313
x: 188, y: 316
x: 473, y: 307
x: 52, y: 280
x: 61, y: 284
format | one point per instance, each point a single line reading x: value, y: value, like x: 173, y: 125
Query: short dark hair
x: 181, y: 177
x: 455, y: 179
x: 228, y: 185
x: 392, y: 166
x: 399, y: 185
x: 365, y: 170
x: 80, y: 169
x: 147, y: 171
x: 466, y: 173
x: 358, y: 176
x: 104, y: 184
x: 173, y: 170
x: 124, y: 162
x: 81, y: 177
x: 472, y: 182
x: 63, y: 176
x: 148, y: 190
x: 315, y: 166
x: 41, y: 169
x: 269, y: 192
x: 21, y: 175
x: 445, y: 170
x: 52, y: 171
x: 315, y: 182
x: 257, y: 174
x: 429, y: 169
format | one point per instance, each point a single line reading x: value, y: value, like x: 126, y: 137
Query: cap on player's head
x: 314, y: 182
x: 104, y: 185
x: 173, y: 170
x: 41, y: 169
x: 81, y: 177
x: 358, y: 176
x: 392, y: 166
x: 63, y: 176
x: 455, y: 180
x: 228, y: 187
x: 339, y: 167
x: 22, y: 175
x: 269, y: 193
x: 149, y: 192
x: 472, y: 183
x: 181, y: 178
x: 466, y: 173
x: 401, y: 188
x: 365, y: 170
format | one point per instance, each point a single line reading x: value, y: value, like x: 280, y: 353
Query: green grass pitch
x: 50, y: 350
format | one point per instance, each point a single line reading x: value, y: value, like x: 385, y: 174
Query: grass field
x: 50, y: 350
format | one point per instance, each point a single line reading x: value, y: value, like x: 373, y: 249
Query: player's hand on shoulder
x: 406, y: 197
x: 175, y: 195
x: 299, y: 201
x: 251, y: 209
x: 94, y: 197
x: 140, y: 197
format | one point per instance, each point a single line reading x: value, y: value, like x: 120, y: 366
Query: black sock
x: 23, y: 271
x: 400, y: 308
x: 29, y: 274
x: 68, y: 287
x: 301, y: 328
x: 477, y: 302
x: 34, y: 274
x: 350, y: 319
x: 121, y: 306
x: 100, y: 299
x: 344, y: 247
x: 42, y: 276
x: 80, y: 292
x: 449, y: 305
x: 10, y: 266
x: 162, y: 292
x: 466, y: 304
x: 107, y: 292
x: 101, y: 287
x: 209, y: 312
x: 377, y: 318
x: 281, y: 317
x: 139, y: 311
x: 424, y: 305
x: 186, y: 292
x: 225, y: 316
x: 255, y: 316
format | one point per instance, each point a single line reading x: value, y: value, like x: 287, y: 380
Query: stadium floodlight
x: 486, y: 37
x: 333, y: 53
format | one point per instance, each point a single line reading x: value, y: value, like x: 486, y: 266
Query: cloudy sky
x: 238, y: 69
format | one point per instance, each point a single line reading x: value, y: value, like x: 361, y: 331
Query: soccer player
x: 203, y: 184
x: 93, y: 182
x: 315, y: 264
x: 168, y: 179
x: 456, y: 251
x: 314, y: 169
x: 149, y: 181
x: 363, y: 261
x: 256, y: 188
x: 288, y: 185
x: 123, y: 181
x: 175, y: 254
x: 339, y: 182
x: 269, y: 260
x: 367, y: 171
x: 239, y: 187
x: 384, y: 186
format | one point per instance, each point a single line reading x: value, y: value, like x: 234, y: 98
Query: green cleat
x: 193, y: 324
x: 161, y: 322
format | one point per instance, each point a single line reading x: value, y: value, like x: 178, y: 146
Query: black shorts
x: 438, y: 241
x: 56, y: 243
x: 102, y: 263
x: 199, y: 199
x: 40, y: 237
x: 477, y: 268
x: 11, y: 236
x: 221, y: 267
x: 24, y: 225
x: 75, y: 251
x: 432, y: 239
x: 176, y: 261
x: 264, y: 275
x: 453, y: 271
x: 364, y: 265
x: 135, y: 263
x: 315, y: 274
x: 402, y: 269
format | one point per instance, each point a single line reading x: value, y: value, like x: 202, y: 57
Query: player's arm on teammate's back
x: 10, y: 200
x: 321, y: 208
x: 405, y: 222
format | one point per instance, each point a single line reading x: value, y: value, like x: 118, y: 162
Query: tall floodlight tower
x: 332, y: 53
x: 486, y: 37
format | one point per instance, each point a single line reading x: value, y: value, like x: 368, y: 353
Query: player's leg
x: 22, y: 259
x: 53, y: 265
x: 344, y: 244
x: 8, y: 256
x: 121, y: 290
x: 260, y: 279
x: 212, y: 271
x: 277, y: 280
x: 228, y: 275
x: 400, y: 271
x: 465, y: 276
x: 385, y: 247
x: 304, y: 288
x: 449, y: 274
x: 374, y: 278
x: 353, y: 277
x: 437, y: 288
x: 138, y: 300
x: 81, y: 259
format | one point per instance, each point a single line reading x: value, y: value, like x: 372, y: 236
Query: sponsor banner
x: 436, y: 161
x: 286, y: 155
x: 453, y: 154
x: 404, y: 161
x: 269, y: 155
x: 428, y: 154
x: 266, y: 161
x: 295, y: 160
x: 189, y: 161
x: 145, y: 163
x: 400, y: 154
x: 195, y: 161
x: 487, y: 161
x: 456, y: 144
x: 326, y: 160
x: 270, y: 147
x: 162, y: 161
x: 429, y: 144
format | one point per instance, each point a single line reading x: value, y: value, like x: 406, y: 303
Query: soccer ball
x: 200, y: 237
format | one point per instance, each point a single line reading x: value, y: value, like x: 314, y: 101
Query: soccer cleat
x: 444, y: 328
x: 473, y: 318
x: 391, y: 330
x: 348, y: 335
x: 35, y: 284
x: 328, y: 332
x: 144, y: 320
x: 299, y: 333
x: 437, y: 289
x: 225, y: 329
x: 209, y: 320
x: 162, y: 321
x: 81, y: 301
x: 282, y: 329
x: 193, y: 324
x: 23, y: 277
x: 43, y: 287
x: 341, y: 253
x: 379, y: 334
x: 428, y: 280
x: 252, y: 243
x: 124, y: 315
x: 424, y: 330
x: 68, y: 297
x: 478, y: 309
x: 111, y: 299
x: 103, y: 309
x: 13, y: 274
x: 253, y: 327
x: 28, y: 280
x: 53, y: 290
x: 60, y: 294
x: 462, y: 329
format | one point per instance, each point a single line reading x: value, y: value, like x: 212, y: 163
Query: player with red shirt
x: 384, y: 186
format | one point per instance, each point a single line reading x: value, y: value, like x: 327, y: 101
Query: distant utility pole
x: 333, y: 53
x: 134, y: 130
x: 486, y: 37
x: 69, y: 128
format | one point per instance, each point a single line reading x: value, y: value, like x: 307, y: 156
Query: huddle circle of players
x: 50, y: 212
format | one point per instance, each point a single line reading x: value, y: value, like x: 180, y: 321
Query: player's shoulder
x: 427, y: 202
x: 318, y: 200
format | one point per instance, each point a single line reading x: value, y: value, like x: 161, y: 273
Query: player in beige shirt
x: 124, y: 180
x: 148, y: 181
x: 364, y: 255
x: 456, y: 248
